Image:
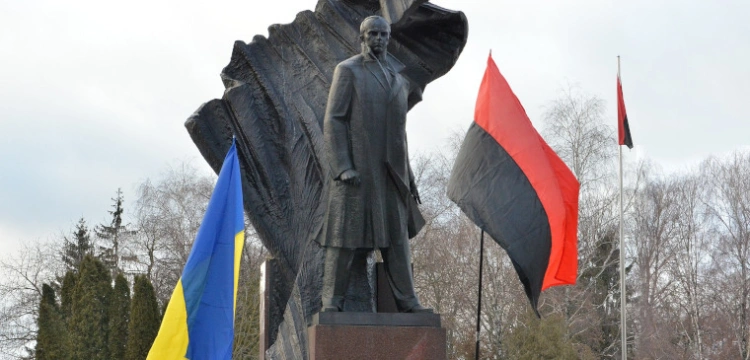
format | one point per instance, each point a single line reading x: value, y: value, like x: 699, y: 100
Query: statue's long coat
x: 365, y: 129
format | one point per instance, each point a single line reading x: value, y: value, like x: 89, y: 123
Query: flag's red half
x: 511, y: 183
x: 623, y: 128
x: 563, y: 265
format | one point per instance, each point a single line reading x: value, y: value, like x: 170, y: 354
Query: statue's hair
x: 368, y: 20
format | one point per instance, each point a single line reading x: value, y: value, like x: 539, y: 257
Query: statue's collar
x: 396, y: 65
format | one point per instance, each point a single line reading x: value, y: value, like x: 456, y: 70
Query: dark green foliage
x: 75, y: 249
x: 145, y: 319
x: 535, y: 339
x: 88, y: 324
x: 66, y: 294
x: 66, y: 305
x: 48, y: 297
x: 119, y: 315
x: 50, y: 336
x: 112, y: 236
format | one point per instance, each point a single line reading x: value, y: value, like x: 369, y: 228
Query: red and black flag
x: 623, y: 129
x: 513, y: 186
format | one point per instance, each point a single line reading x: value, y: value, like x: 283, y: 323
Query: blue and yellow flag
x: 199, y: 321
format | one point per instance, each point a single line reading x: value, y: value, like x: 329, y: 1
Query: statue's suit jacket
x: 365, y: 129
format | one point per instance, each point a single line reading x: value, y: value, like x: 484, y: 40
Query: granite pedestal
x: 374, y: 336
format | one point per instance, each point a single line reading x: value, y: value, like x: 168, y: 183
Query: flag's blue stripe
x: 208, y: 277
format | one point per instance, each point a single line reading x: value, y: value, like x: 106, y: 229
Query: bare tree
x: 574, y: 126
x: 23, y: 275
x: 167, y: 214
x: 690, y: 263
x: 445, y: 252
x: 730, y: 207
x: 655, y: 228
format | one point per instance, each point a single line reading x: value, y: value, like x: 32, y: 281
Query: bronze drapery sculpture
x: 274, y: 103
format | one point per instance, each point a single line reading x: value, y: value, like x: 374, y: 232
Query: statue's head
x: 374, y: 33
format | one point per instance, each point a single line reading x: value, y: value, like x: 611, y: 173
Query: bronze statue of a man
x: 372, y: 194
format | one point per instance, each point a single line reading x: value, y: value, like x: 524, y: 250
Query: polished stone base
x: 366, y: 336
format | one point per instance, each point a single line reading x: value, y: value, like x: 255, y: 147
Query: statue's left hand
x: 350, y: 177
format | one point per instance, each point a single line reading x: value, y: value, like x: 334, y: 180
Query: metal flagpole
x: 623, y: 315
x: 479, y: 302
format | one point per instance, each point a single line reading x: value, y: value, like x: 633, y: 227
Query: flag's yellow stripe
x: 239, y: 243
x: 172, y: 341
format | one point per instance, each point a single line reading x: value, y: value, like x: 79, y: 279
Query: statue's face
x: 376, y: 35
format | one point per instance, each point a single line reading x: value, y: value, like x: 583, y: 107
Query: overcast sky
x: 94, y: 94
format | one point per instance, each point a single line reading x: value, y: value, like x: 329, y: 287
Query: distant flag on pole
x: 199, y: 321
x: 623, y: 128
x: 513, y: 186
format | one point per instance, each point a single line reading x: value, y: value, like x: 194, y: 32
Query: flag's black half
x: 623, y: 128
x: 492, y: 186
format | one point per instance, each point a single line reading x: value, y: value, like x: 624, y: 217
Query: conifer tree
x: 144, y: 319
x: 66, y: 306
x: 112, y: 236
x: 66, y: 295
x: 75, y: 249
x: 545, y: 338
x: 50, y: 334
x: 88, y: 324
x: 119, y: 315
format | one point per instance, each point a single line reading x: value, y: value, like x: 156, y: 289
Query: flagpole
x: 479, y: 302
x: 623, y: 313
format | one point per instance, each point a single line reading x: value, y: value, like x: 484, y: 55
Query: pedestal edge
x: 376, y: 319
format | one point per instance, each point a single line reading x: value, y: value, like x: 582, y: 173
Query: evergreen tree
x: 545, y: 338
x: 66, y: 295
x: 144, y: 319
x: 88, y: 324
x: 75, y: 249
x: 113, y: 235
x: 49, y: 339
x: 119, y: 314
x: 66, y: 306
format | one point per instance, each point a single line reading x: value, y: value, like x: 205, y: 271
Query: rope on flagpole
x: 479, y: 302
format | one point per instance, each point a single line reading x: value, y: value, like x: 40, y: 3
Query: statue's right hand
x: 350, y: 177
